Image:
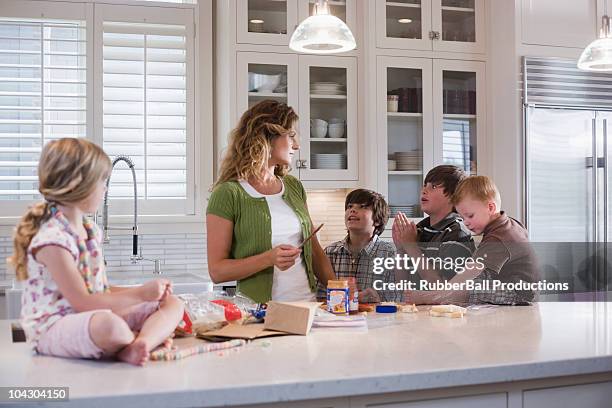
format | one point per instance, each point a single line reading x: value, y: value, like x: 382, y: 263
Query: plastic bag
x: 212, y: 310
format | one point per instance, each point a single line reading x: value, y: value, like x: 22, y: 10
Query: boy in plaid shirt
x: 365, y: 215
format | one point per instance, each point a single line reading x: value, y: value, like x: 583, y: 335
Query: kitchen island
x: 529, y: 356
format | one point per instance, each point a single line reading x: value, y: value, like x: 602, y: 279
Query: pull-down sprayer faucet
x: 136, y: 256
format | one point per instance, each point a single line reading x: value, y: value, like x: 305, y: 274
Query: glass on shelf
x: 458, y: 20
x: 267, y: 16
x: 404, y: 19
x: 406, y: 84
x: 328, y: 114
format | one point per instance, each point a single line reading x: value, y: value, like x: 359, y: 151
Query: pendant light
x: 597, y: 56
x: 322, y: 33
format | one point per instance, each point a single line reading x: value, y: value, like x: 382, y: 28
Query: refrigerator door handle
x: 594, y: 195
x: 605, y: 180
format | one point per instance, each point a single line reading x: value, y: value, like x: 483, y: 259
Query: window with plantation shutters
x: 145, y: 106
x: 42, y: 95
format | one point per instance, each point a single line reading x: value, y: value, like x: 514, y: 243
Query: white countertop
x: 401, y: 352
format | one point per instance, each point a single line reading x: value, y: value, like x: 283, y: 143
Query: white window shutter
x: 42, y: 96
x: 145, y: 107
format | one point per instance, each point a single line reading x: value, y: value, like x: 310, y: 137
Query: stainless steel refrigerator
x: 568, y: 138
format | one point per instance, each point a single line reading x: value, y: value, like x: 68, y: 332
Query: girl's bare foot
x: 167, y: 344
x: 136, y: 353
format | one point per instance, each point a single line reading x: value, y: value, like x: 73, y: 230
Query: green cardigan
x: 253, y: 230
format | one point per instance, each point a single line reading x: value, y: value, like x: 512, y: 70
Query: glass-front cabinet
x: 404, y: 100
x: 439, y: 25
x: 265, y: 21
x: 429, y: 112
x: 323, y: 91
x: 266, y: 76
x: 459, y: 109
x: 328, y: 112
x: 272, y: 21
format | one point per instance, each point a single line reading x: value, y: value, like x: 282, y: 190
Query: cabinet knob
x: 434, y: 35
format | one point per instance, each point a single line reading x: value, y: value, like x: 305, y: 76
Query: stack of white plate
x: 327, y: 88
x: 328, y: 161
x: 409, y: 211
x: 407, y: 161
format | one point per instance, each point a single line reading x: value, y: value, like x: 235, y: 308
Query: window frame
x: 139, y: 14
x: 200, y: 155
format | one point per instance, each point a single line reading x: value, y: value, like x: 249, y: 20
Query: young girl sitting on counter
x: 68, y: 308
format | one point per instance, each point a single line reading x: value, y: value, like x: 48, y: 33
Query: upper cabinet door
x: 459, y: 113
x: 404, y: 123
x: 345, y: 10
x: 328, y: 118
x: 459, y: 25
x: 439, y: 25
x: 403, y: 24
x: 266, y: 21
x: 560, y: 23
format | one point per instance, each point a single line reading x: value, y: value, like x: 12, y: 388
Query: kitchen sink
x: 184, y: 282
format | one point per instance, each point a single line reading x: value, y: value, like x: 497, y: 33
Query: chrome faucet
x: 136, y: 256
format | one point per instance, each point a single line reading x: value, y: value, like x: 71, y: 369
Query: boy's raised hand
x: 156, y: 290
x: 404, y: 231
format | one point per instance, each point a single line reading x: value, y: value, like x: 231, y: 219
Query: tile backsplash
x: 187, y: 252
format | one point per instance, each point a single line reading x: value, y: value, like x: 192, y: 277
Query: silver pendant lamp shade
x: 597, y: 56
x: 322, y: 33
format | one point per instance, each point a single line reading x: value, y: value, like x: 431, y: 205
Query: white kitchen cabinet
x: 438, y: 119
x: 272, y: 22
x: 438, y: 25
x: 265, y: 21
x: 497, y: 400
x: 560, y: 23
x: 405, y: 133
x: 318, y: 88
x: 251, y: 87
x: 333, y: 156
x: 459, y: 112
x: 584, y: 396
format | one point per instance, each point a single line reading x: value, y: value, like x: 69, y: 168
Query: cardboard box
x: 238, y: 331
x: 290, y: 317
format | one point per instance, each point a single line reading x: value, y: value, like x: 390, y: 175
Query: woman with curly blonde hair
x: 257, y: 216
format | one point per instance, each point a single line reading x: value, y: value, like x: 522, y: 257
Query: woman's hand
x: 155, y: 290
x: 283, y: 256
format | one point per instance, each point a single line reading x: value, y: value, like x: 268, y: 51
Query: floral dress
x: 42, y: 303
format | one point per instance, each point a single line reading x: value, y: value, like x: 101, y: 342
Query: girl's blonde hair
x: 68, y: 171
x: 251, y: 141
